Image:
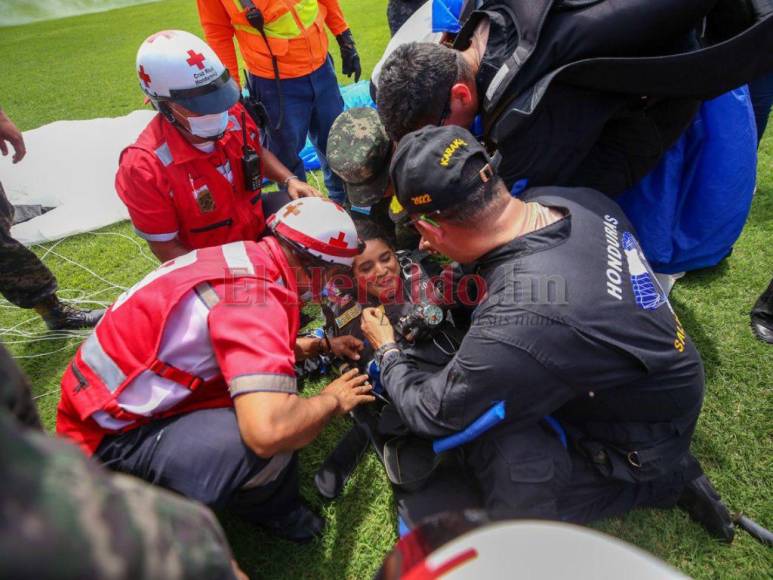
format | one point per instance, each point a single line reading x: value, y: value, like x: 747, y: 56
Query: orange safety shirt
x: 295, y: 30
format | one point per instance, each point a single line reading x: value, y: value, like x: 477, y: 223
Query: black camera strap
x: 256, y: 20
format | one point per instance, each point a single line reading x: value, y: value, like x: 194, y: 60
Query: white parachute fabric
x: 418, y: 28
x: 71, y: 166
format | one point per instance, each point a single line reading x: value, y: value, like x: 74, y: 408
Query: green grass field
x: 83, y: 67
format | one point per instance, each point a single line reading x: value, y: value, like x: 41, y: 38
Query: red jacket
x: 172, y: 189
x: 251, y: 317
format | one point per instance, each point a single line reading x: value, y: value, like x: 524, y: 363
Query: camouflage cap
x: 359, y: 151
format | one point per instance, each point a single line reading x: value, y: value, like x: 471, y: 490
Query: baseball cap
x: 358, y: 151
x: 427, y: 166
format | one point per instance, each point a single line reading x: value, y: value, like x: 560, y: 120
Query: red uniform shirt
x: 172, y: 189
x: 206, y: 327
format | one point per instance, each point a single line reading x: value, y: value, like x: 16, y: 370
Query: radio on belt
x: 250, y: 162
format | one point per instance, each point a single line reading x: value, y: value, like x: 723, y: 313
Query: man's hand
x: 350, y: 389
x: 376, y: 327
x: 297, y: 188
x: 9, y: 132
x: 346, y: 346
x: 350, y: 60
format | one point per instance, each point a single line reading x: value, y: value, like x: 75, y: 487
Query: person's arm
x: 150, y: 206
x: 166, y: 251
x: 345, y: 346
x: 9, y: 133
x: 276, y: 171
x: 254, y: 351
x: 219, y: 34
x: 334, y: 19
x: 272, y: 423
x: 484, y: 370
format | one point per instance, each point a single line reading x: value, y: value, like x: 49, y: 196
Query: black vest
x: 559, y: 74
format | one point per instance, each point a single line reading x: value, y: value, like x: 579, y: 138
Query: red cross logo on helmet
x: 196, y: 59
x: 339, y: 242
x: 144, y: 77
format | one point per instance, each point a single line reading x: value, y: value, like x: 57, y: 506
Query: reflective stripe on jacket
x: 102, y: 389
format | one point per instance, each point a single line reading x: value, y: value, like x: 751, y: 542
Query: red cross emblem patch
x: 339, y: 242
x: 196, y: 59
x: 144, y: 77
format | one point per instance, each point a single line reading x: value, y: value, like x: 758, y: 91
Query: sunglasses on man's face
x: 423, y: 217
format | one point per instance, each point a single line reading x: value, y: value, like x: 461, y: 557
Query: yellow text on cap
x: 450, y: 150
x: 422, y: 199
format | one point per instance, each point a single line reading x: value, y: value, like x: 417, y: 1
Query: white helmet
x: 177, y: 66
x: 319, y: 228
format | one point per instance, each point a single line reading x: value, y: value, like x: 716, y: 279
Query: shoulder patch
x: 349, y: 315
x: 164, y: 155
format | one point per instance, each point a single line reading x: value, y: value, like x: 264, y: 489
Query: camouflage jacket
x: 64, y: 516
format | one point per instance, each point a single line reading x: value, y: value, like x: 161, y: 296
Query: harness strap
x: 115, y: 410
x: 181, y: 377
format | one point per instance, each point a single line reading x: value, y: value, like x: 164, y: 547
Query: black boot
x: 704, y: 505
x: 299, y: 525
x: 59, y: 315
x: 762, y: 316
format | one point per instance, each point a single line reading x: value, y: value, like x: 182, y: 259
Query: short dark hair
x: 483, y: 202
x: 414, y: 86
x: 368, y: 229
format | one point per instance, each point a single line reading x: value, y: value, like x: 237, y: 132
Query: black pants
x: 201, y: 455
x: 24, y: 280
x: 529, y: 473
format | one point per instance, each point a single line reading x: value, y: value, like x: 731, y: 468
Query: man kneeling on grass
x: 573, y: 327
x: 188, y: 382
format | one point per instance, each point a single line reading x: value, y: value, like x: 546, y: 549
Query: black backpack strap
x: 701, y: 74
x: 529, y: 18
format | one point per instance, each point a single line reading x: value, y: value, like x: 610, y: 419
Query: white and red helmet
x: 319, y: 228
x: 177, y: 66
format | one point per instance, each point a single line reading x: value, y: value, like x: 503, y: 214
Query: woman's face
x: 376, y: 270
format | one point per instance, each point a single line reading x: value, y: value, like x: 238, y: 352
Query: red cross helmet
x: 318, y: 228
x: 177, y: 66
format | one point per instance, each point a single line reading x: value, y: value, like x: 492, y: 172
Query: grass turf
x: 83, y: 67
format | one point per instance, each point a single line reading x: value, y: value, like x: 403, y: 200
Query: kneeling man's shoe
x: 300, y: 525
x: 762, y: 316
x: 704, y: 505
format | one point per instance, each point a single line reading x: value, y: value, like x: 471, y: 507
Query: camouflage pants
x: 24, y: 280
x: 398, y: 11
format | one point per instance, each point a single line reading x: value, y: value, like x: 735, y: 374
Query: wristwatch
x: 383, y: 349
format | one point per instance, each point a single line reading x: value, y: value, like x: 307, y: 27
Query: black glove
x: 350, y: 60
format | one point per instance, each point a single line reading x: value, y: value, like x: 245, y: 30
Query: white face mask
x: 208, y: 126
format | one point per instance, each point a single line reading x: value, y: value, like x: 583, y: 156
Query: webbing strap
x: 176, y: 375
x: 530, y: 17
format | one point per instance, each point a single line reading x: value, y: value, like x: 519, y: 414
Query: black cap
x: 426, y: 169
